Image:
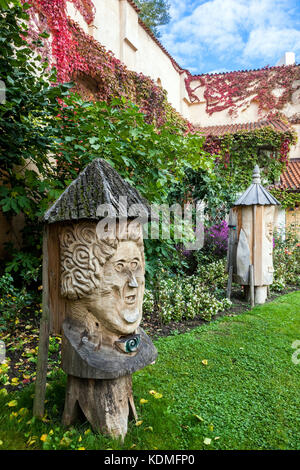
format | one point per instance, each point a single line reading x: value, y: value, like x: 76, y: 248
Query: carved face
x: 103, y: 279
x: 117, y: 303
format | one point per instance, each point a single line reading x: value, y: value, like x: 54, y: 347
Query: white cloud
x: 238, y: 29
x: 271, y: 42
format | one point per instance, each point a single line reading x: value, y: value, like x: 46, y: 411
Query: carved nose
x: 133, y: 282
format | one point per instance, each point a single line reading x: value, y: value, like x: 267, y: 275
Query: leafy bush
x: 13, y: 301
x: 38, y: 120
x: 179, y: 298
x: 286, y: 260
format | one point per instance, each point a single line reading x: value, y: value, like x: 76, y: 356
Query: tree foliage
x: 49, y: 134
x: 154, y: 13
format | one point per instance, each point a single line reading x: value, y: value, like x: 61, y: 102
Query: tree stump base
x: 106, y: 404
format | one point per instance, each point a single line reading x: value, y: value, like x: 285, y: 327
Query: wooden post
x: 251, y: 281
x: 42, y: 359
x: 229, y: 284
x: 105, y: 403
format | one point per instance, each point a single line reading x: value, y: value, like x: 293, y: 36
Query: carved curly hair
x: 83, y: 254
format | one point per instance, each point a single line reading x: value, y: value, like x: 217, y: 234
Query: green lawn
x: 246, y: 396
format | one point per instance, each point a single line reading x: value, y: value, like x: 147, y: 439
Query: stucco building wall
x: 117, y: 27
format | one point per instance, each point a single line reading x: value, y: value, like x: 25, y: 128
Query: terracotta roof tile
x: 134, y: 5
x: 248, y: 126
x: 290, y: 179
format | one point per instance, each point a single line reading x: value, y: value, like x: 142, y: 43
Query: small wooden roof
x: 98, y: 184
x: 256, y: 194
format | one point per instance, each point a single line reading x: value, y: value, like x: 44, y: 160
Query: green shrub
x: 184, y: 298
x: 13, y: 301
x: 286, y: 260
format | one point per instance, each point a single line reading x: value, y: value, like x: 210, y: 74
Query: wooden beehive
x: 251, y: 235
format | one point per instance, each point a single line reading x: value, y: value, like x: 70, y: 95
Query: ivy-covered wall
x: 232, y: 97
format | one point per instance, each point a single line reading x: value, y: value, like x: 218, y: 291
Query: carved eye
x: 119, y: 267
x: 134, y: 265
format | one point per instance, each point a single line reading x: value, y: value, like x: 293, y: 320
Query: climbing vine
x: 237, y: 153
x: 287, y: 199
x: 233, y: 90
x: 97, y: 73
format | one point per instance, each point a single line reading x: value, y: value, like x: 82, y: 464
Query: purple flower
x: 216, y: 237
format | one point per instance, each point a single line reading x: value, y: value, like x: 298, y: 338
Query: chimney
x: 287, y: 59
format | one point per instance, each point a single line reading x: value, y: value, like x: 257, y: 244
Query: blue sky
x: 207, y: 36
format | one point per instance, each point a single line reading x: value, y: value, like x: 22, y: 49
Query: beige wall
x: 248, y: 112
x: 295, y: 150
x: 116, y: 26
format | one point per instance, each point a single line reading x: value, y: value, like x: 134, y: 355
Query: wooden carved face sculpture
x: 104, y: 278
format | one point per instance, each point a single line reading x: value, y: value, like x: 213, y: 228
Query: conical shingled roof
x: 256, y: 194
x: 96, y: 185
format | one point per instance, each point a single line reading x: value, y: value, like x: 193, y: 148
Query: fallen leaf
x: 149, y: 428
x: 199, y: 417
x: 12, y: 403
x: 207, y: 441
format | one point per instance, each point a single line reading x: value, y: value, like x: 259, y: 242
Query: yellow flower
x: 43, y: 437
x: 205, y: 362
x: 152, y: 392
x: 138, y: 423
x: 81, y: 448
x: 79, y: 439
x: 158, y: 395
x: 143, y: 401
